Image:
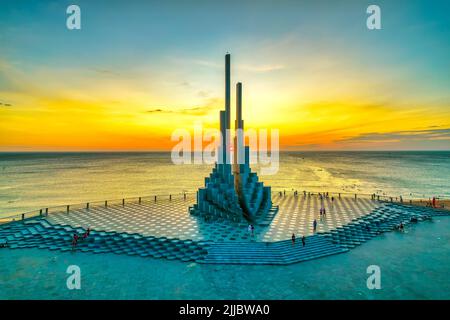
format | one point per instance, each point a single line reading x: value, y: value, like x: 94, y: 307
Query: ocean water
x: 413, y: 265
x: 31, y: 181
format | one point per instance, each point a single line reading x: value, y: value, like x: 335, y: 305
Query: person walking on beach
x: 293, y: 239
x: 303, y: 241
x: 74, y: 240
x: 314, y: 225
x: 252, y: 228
x: 434, y: 202
x: 86, y: 234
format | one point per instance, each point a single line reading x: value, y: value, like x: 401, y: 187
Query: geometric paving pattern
x: 383, y: 219
x: 42, y: 233
x: 297, y: 213
x: 358, y: 231
x: 274, y: 253
x: 163, y: 218
x: 38, y: 233
x: 171, y: 218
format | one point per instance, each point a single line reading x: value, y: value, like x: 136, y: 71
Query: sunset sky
x: 138, y: 70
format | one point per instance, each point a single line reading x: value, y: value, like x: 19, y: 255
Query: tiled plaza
x: 296, y: 214
x: 170, y: 218
x: 161, y: 230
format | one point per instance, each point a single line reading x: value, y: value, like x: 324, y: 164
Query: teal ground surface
x: 414, y: 265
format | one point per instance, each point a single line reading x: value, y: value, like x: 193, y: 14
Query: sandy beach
x: 440, y: 204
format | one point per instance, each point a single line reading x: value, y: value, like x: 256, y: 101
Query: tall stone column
x: 239, y: 152
x: 227, y: 88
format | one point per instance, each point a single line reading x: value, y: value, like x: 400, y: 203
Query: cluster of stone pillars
x: 232, y: 190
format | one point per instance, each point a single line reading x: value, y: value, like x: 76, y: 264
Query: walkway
x: 48, y: 234
x: 165, y: 218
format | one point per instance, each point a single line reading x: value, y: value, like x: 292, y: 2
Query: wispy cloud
x: 261, y: 68
x: 156, y: 110
x: 203, y: 93
x: 397, y: 136
x: 257, y: 68
x: 197, y: 111
x: 424, y: 139
x: 210, y: 104
x: 199, y: 62
x: 106, y: 72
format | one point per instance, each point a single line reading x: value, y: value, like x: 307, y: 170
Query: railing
x: 317, y: 190
x: 44, y: 212
x: 372, y: 196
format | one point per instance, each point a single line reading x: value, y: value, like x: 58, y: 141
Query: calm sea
x: 31, y: 181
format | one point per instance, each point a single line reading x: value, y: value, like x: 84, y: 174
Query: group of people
x: 76, y: 237
x: 323, y: 195
x: 282, y: 194
x: 303, y: 240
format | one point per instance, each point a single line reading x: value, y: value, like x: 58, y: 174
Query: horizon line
x: 168, y: 151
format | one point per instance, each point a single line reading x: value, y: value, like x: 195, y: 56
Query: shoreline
x: 440, y: 204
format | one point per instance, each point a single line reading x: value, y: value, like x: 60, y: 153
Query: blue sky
x: 292, y: 56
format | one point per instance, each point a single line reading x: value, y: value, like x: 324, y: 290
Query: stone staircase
x: 380, y: 220
x: 39, y: 233
x: 275, y: 253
